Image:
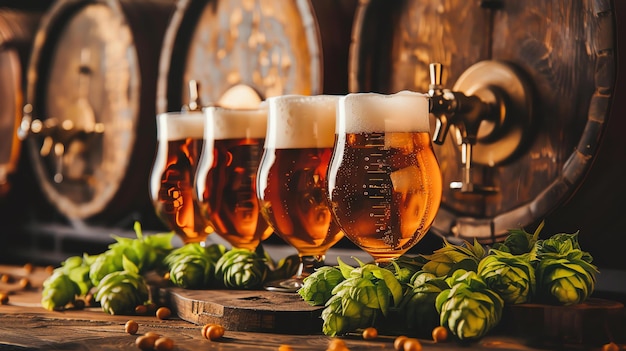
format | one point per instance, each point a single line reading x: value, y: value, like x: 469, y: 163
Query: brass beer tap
x: 492, y: 118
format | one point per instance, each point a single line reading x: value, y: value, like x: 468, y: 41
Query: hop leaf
x: 146, y: 252
x: 405, y: 267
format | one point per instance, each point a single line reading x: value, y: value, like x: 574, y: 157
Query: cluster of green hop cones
x: 194, y: 266
x: 117, y: 280
x: 114, y: 278
x: 462, y: 287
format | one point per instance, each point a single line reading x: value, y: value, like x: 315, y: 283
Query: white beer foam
x: 180, y: 125
x: 404, y: 111
x: 301, y: 121
x: 231, y: 123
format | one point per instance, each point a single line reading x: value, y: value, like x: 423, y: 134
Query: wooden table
x: 25, y: 325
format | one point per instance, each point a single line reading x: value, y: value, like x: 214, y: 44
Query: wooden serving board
x: 593, y: 322
x: 246, y: 310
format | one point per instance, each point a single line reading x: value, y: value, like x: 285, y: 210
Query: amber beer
x: 292, y: 186
x: 384, y: 181
x: 226, y: 179
x: 180, y: 139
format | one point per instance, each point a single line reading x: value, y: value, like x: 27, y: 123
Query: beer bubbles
x: 179, y: 138
x: 291, y: 182
x: 384, y: 180
x: 226, y: 175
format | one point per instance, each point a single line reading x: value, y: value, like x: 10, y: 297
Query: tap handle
x: 436, y: 72
x: 442, y: 126
x: 194, y: 97
x: 436, y: 93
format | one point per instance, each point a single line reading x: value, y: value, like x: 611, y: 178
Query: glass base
x: 290, y: 285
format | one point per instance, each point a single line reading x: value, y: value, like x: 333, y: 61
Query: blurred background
x: 82, y: 80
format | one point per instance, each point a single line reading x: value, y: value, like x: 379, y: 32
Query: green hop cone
x: 511, y: 276
x: 418, y: 304
x: 343, y: 313
x: 58, y: 291
x: 469, y: 309
x: 565, y: 274
x: 565, y: 281
x: 77, y: 269
x: 367, y: 292
x: 192, y: 272
x: 120, y: 292
x: 213, y: 252
x: 105, y: 263
x: 561, y: 245
x: 519, y: 242
x: 192, y: 266
x: 241, y: 269
x: 317, y: 288
x: 442, y: 262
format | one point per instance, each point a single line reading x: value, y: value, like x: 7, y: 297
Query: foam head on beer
x: 180, y: 125
x: 301, y: 121
x: 404, y: 111
x: 233, y: 123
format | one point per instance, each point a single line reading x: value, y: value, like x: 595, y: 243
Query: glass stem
x: 308, y: 265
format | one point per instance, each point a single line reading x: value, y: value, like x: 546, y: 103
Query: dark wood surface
x: 247, y: 310
x: 25, y: 325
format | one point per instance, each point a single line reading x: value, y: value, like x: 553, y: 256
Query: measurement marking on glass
x: 378, y: 187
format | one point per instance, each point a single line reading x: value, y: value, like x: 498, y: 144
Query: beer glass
x: 291, y: 182
x: 226, y: 175
x: 179, y: 138
x: 384, y: 180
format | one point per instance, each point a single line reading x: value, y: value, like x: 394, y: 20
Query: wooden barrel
x: 568, y: 169
x: 270, y: 47
x: 17, y: 30
x: 89, y: 108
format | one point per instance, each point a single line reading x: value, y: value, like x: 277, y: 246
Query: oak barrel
x: 89, y: 107
x: 17, y: 30
x: 272, y: 47
x: 568, y: 169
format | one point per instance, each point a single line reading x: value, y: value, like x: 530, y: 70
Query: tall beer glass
x: 291, y: 183
x: 384, y: 179
x: 180, y: 138
x: 226, y: 176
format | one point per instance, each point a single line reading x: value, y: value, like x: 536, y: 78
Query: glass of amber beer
x: 291, y: 182
x: 179, y: 143
x: 226, y: 175
x: 384, y: 179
